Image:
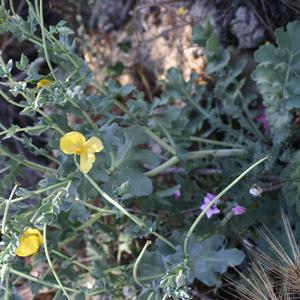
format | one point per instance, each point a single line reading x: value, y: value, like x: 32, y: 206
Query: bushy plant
x: 116, y: 209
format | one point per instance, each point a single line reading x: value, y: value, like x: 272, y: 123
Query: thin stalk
x: 51, y: 265
x: 44, y: 41
x: 37, y: 280
x: 202, y: 214
x: 166, y: 132
x: 194, y: 155
x: 74, y: 262
x: 28, y: 163
x: 9, y: 100
x: 54, y: 126
x: 137, y: 221
x: 132, y: 217
x: 196, y: 105
x: 7, y: 294
x: 5, y: 215
x: 161, y: 142
x: 165, y: 240
x: 137, y: 262
x: 26, y: 129
x: 213, y: 142
x: 40, y: 191
x: 150, y: 296
x: 84, y: 113
x: 102, y: 211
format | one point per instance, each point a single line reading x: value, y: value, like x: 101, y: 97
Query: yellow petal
x: 94, y: 144
x: 29, y: 242
x: 35, y: 232
x: 72, y: 142
x: 43, y: 83
x: 86, y: 161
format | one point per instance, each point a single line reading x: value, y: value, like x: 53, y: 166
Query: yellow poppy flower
x: 29, y: 242
x: 43, y: 83
x: 181, y: 11
x: 75, y: 143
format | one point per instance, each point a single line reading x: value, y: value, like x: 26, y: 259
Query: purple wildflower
x: 262, y: 119
x: 213, y: 210
x: 177, y: 194
x: 238, y: 210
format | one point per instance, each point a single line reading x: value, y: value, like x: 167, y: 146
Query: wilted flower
x: 75, y: 143
x: 43, y: 83
x: 238, y: 210
x: 29, y: 242
x: 212, y: 210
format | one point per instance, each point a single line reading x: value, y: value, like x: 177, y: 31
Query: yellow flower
x: 29, y: 242
x: 44, y: 83
x: 75, y: 143
x: 181, y: 11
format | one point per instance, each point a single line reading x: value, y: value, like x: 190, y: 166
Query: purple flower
x: 238, y: 210
x: 177, y: 194
x: 261, y: 118
x: 213, y: 210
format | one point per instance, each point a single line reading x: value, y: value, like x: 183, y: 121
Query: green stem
x: 51, y: 265
x: 195, y: 155
x: 150, y: 296
x: 137, y: 262
x: 196, y: 105
x: 161, y: 142
x: 104, y: 212
x: 213, y: 142
x: 9, y: 100
x: 3, y: 230
x: 74, y: 262
x: 164, y: 240
x: 132, y: 217
x: 34, y: 193
x: 166, y: 296
x: 166, y: 132
x: 7, y: 294
x: 37, y: 280
x: 26, y: 129
x: 84, y: 113
x: 213, y: 202
x: 44, y: 41
x: 137, y: 221
x: 28, y: 163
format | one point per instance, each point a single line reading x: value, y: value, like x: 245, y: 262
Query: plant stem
x: 44, y: 41
x: 195, y: 155
x: 37, y: 280
x: 34, y: 193
x: 29, y: 128
x: 166, y: 132
x: 74, y: 262
x: 27, y: 163
x: 137, y: 262
x: 132, y: 217
x: 104, y: 212
x: 164, y: 240
x: 213, y: 142
x: 84, y: 113
x: 137, y: 221
x: 196, y: 105
x: 161, y: 142
x: 3, y: 231
x: 201, y: 215
x: 51, y: 265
